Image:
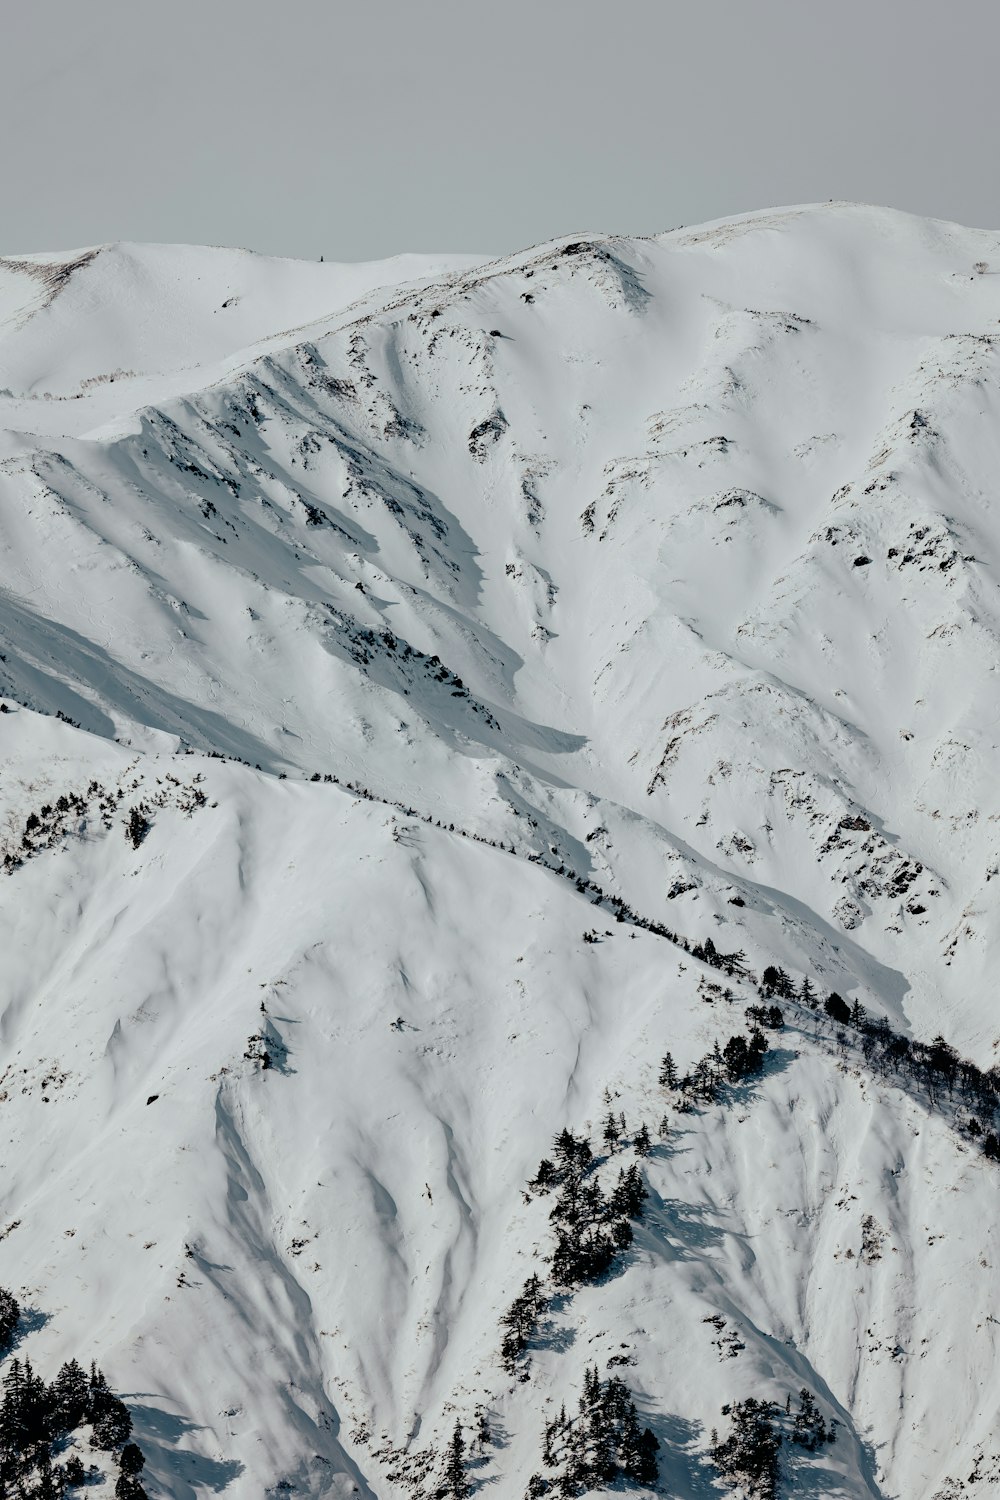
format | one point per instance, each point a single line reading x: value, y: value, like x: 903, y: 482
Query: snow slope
x: 667, y: 565
x: 89, y: 337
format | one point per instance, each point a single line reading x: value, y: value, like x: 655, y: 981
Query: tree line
x: 934, y: 1066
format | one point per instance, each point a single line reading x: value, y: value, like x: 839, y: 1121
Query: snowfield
x: 473, y: 640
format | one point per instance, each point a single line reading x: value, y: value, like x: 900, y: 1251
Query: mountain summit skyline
x: 498, y: 825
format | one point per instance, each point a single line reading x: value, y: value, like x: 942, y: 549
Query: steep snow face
x: 651, y: 571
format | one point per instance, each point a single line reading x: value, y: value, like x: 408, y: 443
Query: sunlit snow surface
x: 670, y: 562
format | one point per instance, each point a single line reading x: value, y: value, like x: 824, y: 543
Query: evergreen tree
x: 113, y: 1427
x: 837, y: 1009
x: 737, y: 1058
x: 705, y: 1079
x: 520, y: 1322
x: 572, y: 1155
x: 456, y: 1483
x: 642, y: 1143
x: 750, y: 1452
x: 10, y: 1316
x: 603, y: 1444
x: 132, y: 1460
x: 136, y: 828
x: 758, y: 1048
x: 744, y: 1056
x: 128, y: 1487
x: 546, y: 1176
x: 668, y: 1072
x: 24, y: 1414
x: 591, y: 1393
x: 621, y: 1234
x: 73, y: 1470
x: 70, y: 1397
x: 99, y: 1396
x: 45, y: 1479
x: 810, y: 1428
x: 629, y: 1194
x: 644, y: 1468
x: 776, y: 982
x: 10, y: 1410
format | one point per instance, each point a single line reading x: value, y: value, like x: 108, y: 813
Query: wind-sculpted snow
x: 597, y: 628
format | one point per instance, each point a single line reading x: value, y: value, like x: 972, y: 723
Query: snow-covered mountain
x: 405, y: 667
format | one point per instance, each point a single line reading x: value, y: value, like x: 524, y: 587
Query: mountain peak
x: 435, y: 694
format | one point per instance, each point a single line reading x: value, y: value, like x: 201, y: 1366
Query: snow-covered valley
x: 428, y: 657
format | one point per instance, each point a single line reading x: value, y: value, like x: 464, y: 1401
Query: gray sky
x: 366, y: 128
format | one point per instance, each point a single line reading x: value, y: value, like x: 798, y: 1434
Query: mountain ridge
x: 619, y: 578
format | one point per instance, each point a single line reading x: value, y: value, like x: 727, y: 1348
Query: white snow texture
x: 669, y: 565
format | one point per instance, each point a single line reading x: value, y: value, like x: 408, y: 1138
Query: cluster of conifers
x: 37, y: 1420
x: 934, y: 1066
x: 600, y: 1444
x: 749, y: 1453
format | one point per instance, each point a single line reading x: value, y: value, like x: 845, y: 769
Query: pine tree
x: 70, y: 1397
x: 810, y: 1429
x: 572, y: 1155
x: 10, y: 1411
x: 736, y: 1055
x: 758, y: 1049
x: 113, y: 1427
x: 520, y: 1322
x: 770, y: 981
x: 132, y: 1460
x: 546, y: 1176
x: 668, y: 1072
x: 24, y: 1416
x: 630, y: 1193
x: 456, y: 1483
x: 645, y: 1468
x: 127, y: 1487
x: 602, y: 1450
x: 73, y: 1470
x: 45, y: 1482
x: 642, y: 1143
x: 837, y: 1009
x: 611, y: 1132
x: 591, y: 1392
x: 99, y: 1396
x: 750, y: 1452
x: 604, y: 1443
x: 621, y: 1234
x: 136, y: 828
x: 10, y: 1316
